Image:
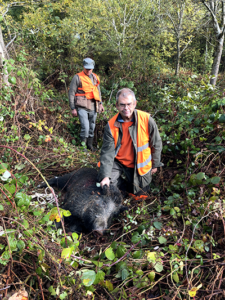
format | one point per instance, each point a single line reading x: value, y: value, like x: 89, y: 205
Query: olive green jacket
x: 108, y: 152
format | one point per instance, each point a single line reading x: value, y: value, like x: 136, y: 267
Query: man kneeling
x: 131, y: 146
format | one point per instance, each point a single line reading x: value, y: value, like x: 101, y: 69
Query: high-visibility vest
x: 90, y: 90
x: 144, y: 158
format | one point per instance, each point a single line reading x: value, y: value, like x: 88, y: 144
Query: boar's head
x: 100, y: 211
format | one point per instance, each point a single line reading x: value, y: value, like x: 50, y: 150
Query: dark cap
x: 88, y: 63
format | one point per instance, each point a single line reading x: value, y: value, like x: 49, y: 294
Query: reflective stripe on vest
x: 144, y: 158
x: 90, y: 90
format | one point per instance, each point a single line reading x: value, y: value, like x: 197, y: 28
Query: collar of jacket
x: 118, y: 124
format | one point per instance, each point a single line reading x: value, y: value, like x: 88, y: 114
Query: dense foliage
x: 168, y: 245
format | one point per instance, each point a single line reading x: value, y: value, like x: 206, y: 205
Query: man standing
x: 85, y: 100
x: 131, y: 146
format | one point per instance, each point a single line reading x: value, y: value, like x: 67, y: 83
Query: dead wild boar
x: 92, y: 208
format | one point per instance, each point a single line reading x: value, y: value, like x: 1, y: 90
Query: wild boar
x: 92, y: 208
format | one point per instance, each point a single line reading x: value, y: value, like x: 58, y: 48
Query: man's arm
x: 107, y: 156
x: 155, y: 144
x: 72, y: 91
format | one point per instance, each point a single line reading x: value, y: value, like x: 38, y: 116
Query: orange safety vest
x: 90, y: 90
x: 144, y: 158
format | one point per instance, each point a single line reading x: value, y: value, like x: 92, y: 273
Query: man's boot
x: 90, y: 143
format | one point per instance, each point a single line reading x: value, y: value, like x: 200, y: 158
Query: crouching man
x: 131, y: 146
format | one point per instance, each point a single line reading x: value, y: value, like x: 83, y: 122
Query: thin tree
x: 217, y: 11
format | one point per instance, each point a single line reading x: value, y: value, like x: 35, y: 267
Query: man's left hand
x: 153, y: 171
x: 101, y: 108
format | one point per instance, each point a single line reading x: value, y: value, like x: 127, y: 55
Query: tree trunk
x: 3, y: 55
x: 178, y: 58
x: 217, y: 59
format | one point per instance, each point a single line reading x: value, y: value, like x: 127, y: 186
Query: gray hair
x: 124, y: 93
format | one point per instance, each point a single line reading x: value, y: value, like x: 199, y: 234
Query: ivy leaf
x: 109, y: 254
x: 11, y: 188
x: 88, y: 277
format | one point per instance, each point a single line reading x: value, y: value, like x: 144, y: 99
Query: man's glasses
x: 124, y: 105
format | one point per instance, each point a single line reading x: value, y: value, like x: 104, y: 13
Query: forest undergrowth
x: 169, y: 245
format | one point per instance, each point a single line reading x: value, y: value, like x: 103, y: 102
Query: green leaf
x: 11, y: 188
x: 151, y: 276
x: 222, y: 119
x: 4, y: 166
x: 88, y: 277
x: 75, y: 236
x: 26, y: 137
x: 66, y: 253
x: 24, y: 199
x: 121, y: 250
x: 63, y: 295
x: 158, y: 267
x: 125, y: 274
x: 1, y: 207
x: 215, y: 180
x: 25, y: 224
x: 20, y: 245
x: 172, y: 212
x: 109, y: 253
x: 12, y: 80
x: 199, y: 245
x: 137, y: 254
x: 135, y: 238
x: 66, y: 213
x: 158, y: 225
x: 173, y: 248
x: 20, y: 166
x: 109, y: 285
x: 151, y: 256
x: 175, y: 277
x: 162, y: 240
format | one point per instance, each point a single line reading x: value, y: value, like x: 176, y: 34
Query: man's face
x: 126, y: 107
x: 88, y: 71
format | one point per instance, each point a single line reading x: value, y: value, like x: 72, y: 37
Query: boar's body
x: 92, y: 208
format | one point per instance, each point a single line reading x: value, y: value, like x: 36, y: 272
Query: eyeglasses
x: 124, y: 105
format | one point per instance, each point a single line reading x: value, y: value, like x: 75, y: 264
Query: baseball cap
x: 88, y: 63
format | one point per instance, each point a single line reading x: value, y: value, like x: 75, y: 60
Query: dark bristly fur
x: 92, y: 208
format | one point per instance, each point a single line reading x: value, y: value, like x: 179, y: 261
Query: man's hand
x: 101, y: 108
x: 74, y: 112
x: 105, y: 181
x: 153, y: 171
